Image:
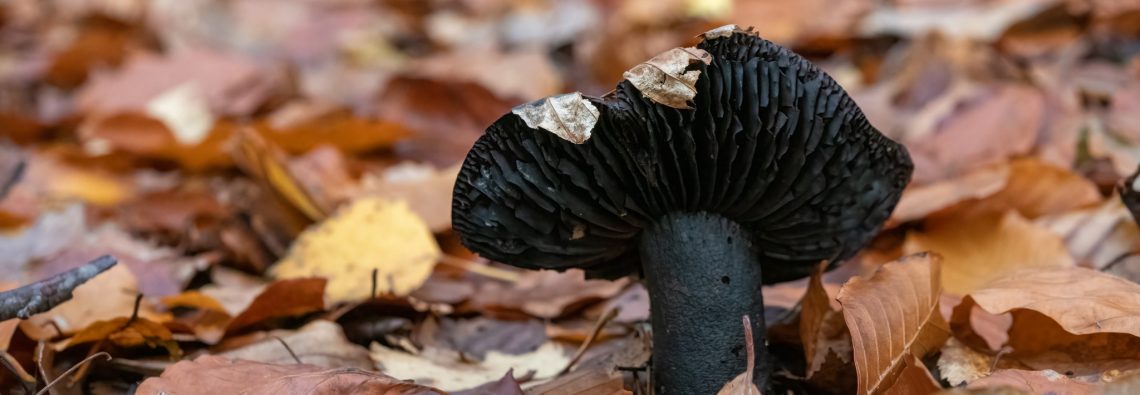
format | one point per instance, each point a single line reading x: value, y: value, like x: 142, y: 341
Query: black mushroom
x: 767, y: 166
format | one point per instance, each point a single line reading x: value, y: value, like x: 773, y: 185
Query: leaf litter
x: 275, y: 181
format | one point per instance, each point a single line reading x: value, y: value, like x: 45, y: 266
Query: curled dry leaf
x: 1081, y: 300
x: 977, y: 250
x: 668, y: 78
x: 893, y: 316
x: 1036, y: 382
x: 959, y: 364
x: 368, y: 234
x: 569, y: 116
x: 743, y: 384
x: 209, y: 374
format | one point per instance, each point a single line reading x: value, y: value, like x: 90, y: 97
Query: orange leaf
x: 893, y: 316
x: 283, y: 298
x: 125, y: 332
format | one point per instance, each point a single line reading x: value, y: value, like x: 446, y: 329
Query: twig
x: 13, y: 365
x: 289, y: 349
x: 135, y: 311
x: 45, y: 294
x: 480, y: 269
x: 72, y: 369
x: 750, y: 351
x: 14, y: 166
x: 598, y: 326
x: 375, y: 274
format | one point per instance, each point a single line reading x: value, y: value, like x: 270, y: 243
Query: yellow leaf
x: 369, y: 233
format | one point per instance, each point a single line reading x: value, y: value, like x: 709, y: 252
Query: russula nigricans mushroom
x: 708, y: 171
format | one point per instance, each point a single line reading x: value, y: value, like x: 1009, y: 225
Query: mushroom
x: 767, y: 169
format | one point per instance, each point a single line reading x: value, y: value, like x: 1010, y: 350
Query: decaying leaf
x: 370, y: 233
x: 127, y: 332
x: 668, y: 78
x: 823, y: 330
x: 208, y: 375
x: 449, y: 371
x: 570, y: 116
x: 282, y: 298
x: 893, y: 317
x: 977, y: 250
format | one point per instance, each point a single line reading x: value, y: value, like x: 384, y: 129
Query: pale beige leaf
x: 892, y: 316
x: 450, y: 371
x: 569, y: 116
x: 1082, y: 301
x: 978, y: 250
x: 370, y: 233
x: 667, y: 78
x: 960, y: 364
x: 740, y: 385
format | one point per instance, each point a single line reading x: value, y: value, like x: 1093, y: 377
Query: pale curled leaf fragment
x: 721, y: 32
x: 893, y: 316
x: 569, y: 116
x: 668, y: 78
x: 369, y: 233
x: 742, y: 384
x: 185, y: 111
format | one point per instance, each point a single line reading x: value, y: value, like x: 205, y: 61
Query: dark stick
x: 703, y: 275
x: 45, y: 294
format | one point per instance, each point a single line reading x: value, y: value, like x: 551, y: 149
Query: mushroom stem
x: 703, y: 275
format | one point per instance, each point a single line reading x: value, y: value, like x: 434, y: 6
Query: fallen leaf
x: 569, y: 116
x: 1081, y: 300
x: 265, y: 161
x: 369, y: 233
x: 211, y: 374
x: 325, y: 175
x: 919, y: 201
x: 1034, y: 189
x: 504, y: 386
x: 822, y: 329
x: 1100, y: 237
x: 449, y: 371
x: 299, y: 126
x: 983, y: 22
x: 977, y: 250
x: 318, y: 343
x: 524, y: 73
x: 901, y: 297
x: 914, y: 379
x: 282, y: 298
x: 543, y: 294
x: 427, y: 190
x: 959, y: 364
x: 127, y: 332
x: 478, y: 336
x: 668, y: 78
x: 1037, y: 382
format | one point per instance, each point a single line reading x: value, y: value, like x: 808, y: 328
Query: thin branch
x: 13, y: 365
x: 289, y: 349
x: 85, y: 361
x: 598, y: 326
x: 45, y: 294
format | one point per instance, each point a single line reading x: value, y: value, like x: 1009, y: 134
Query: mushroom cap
x: 771, y: 142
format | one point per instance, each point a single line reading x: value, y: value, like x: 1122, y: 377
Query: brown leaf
x: 300, y: 126
x: 525, y: 73
x: 504, y: 386
x: 210, y: 374
x: 147, y: 137
x: 544, y: 294
x: 823, y: 330
x: 1034, y: 188
x: 919, y: 201
x: 283, y: 298
x: 1082, y: 301
x: 977, y: 250
x: 1037, y: 382
x: 914, y: 379
x: 893, y: 316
